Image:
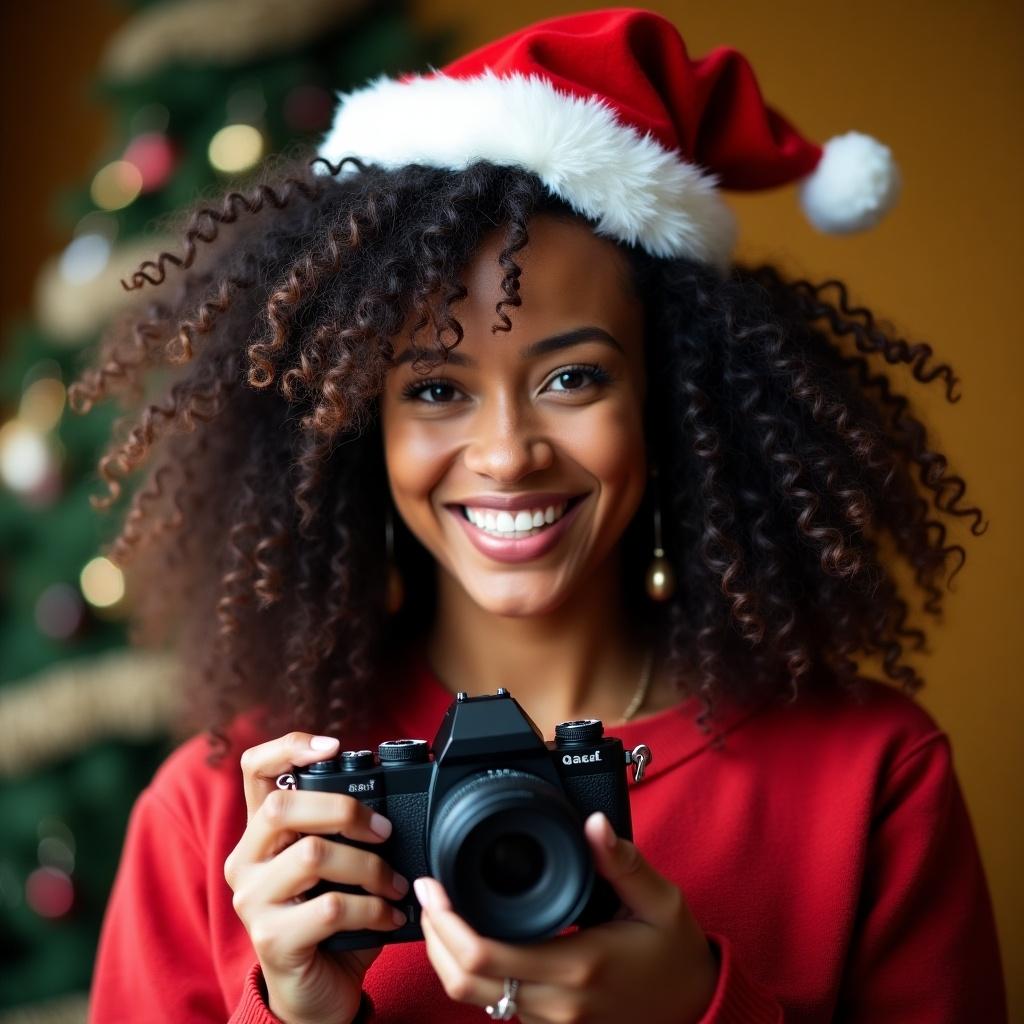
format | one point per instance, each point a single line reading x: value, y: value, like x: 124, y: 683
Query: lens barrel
x: 509, y: 849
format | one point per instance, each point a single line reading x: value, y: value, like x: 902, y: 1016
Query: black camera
x: 494, y: 813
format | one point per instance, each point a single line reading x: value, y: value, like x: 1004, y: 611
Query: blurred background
x: 117, y: 114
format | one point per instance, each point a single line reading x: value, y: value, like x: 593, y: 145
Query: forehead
x: 563, y: 261
x: 569, y: 278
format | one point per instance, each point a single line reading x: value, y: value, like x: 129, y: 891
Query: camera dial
x: 403, y: 751
x: 583, y: 730
x: 354, y: 760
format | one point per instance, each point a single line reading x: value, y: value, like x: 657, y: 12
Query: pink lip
x: 516, y: 550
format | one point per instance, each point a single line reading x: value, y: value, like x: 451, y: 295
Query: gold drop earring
x: 395, y: 587
x: 660, y: 580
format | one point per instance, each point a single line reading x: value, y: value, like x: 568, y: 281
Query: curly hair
x: 792, y: 478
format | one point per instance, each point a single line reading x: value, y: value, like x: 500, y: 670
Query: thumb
x: 649, y: 895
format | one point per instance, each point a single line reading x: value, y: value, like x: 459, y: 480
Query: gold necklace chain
x: 641, y: 688
x: 639, y: 695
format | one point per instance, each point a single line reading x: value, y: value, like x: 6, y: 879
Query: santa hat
x: 616, y: 119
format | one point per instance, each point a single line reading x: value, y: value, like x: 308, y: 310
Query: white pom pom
x: 855, y: 183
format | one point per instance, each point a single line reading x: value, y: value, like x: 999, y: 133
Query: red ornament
x: 49, y: 892
x: 154, y: 156
x: 307, y: 108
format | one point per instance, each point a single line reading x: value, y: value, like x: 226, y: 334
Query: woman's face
x: 537, y: 431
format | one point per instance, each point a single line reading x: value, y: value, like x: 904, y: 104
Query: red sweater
x: 825, y: 849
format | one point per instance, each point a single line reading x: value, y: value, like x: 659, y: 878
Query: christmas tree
x: 201, y: 91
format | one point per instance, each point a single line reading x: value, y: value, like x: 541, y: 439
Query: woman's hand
x: 271, y: 867
x: 653, y: 963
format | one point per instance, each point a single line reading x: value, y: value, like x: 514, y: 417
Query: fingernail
x: 322, y: 742
x: 380, y: 825
x: 397, y: 916
x: 422, y: 892
x: 401, y: 883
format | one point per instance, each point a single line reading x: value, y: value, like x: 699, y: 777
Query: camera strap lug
x: 286, y: 781
x: 639, y: 757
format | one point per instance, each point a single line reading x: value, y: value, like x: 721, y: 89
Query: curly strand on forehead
x: 787, y: 458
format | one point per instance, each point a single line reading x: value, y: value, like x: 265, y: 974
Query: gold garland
x: 217, y: 32
x: 71, y: 1009
x: 74, y: 311
x: 129, y: 694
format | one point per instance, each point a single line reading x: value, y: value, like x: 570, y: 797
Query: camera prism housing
x: 494, y: 813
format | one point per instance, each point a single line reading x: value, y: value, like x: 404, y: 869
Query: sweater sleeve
x: 925, y: 947
x: 155, y: 961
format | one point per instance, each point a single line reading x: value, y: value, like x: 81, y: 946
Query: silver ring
x: 505, y: 1008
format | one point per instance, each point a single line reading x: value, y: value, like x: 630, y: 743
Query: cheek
x: 416, y: 461
x: 611, y: 447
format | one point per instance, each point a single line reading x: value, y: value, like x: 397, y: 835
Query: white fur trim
x: 855, y: 183
x: 629, y: 185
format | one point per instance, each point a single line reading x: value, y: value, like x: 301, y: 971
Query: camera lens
x: 512, y: 864
x: 509, y: 849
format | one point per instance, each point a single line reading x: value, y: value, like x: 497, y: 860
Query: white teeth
x: 505, y: 524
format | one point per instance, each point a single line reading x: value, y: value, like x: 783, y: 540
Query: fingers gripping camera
x: 495, y: 814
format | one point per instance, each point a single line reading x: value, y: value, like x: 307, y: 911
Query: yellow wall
x: 941, y: 83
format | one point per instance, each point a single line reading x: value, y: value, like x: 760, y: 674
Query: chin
x: 520, y: 601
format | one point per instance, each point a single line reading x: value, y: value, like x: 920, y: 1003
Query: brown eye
x: 571, y: 379
x: 438, y: 392
x: 431, y: 392
x: 577, y: 378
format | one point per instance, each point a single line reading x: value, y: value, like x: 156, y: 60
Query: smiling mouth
x: 517, y: 525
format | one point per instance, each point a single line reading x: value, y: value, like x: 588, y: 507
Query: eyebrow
x: 539, y: 348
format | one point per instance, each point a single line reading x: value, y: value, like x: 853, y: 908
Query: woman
x: 488, y: 406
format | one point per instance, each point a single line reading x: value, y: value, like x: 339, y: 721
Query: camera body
x: 493, y: 812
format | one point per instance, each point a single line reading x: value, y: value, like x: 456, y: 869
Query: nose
x: 507, y: 443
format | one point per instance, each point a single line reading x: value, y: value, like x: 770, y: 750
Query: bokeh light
x: 153, y: 117
x: 116, y: 185
x: 42, y: 404
x: 247, y: 104
x: 84, y: 258
x: 308, y: 108
x: 25, y: 459
x: 49, y: 892
x: 236, y: 148
x: 98, y: 222
x: 59, y: 611
x: 53, y: 852
x: 102, y: 583
x: 153, y: 154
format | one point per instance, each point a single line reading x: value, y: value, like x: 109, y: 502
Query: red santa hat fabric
x: 614, y: 116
